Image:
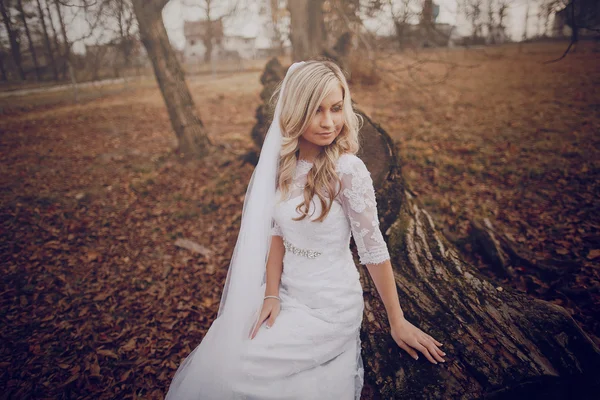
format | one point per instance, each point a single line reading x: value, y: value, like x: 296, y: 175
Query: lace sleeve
x: 357, y: 196
x: 276, y: 230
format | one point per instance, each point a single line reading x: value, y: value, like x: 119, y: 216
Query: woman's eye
x: 337, y: 109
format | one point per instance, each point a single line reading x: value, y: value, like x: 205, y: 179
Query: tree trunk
x: 191, y: 134
x: 31, y: 46
x: 15, y: 48
x: 60, y: 60
x: 126, y: 42
x: 574, y: 24
x: 67, y: 46
x: 307, y: 28
x: 499, y: 343
x: 2, y: 68
x: 47, y: 40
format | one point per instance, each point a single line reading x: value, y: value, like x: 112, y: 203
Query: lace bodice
x: 355, y: 207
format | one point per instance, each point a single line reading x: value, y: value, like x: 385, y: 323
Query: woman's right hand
x: 270, y: 310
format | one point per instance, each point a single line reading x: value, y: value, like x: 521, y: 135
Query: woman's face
x: 328, y: 121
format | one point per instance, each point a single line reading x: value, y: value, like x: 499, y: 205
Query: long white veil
x: 211, y: 364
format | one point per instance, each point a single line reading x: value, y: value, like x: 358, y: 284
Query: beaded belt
x: 300, y: 252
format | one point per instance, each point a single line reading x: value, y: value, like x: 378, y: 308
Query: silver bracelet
x: 272, y: 297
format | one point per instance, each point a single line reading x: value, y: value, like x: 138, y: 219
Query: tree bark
x: 307, y: 28
x: 67, y: 45
x: 15, y: 48
x: 60, y: 60
x: 2, y: 68
x: 191, y: 133
x: 499, y: 343
x: 28, y: 34
x: 47, y: 40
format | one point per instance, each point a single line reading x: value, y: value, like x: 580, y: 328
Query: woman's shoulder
x: 349, y: 163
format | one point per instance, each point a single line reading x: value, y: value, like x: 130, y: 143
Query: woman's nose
x: 326, y: 121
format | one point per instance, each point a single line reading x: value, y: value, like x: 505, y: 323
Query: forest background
x: 116, y: 243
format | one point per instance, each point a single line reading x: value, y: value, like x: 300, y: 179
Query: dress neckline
x: 303, y: 166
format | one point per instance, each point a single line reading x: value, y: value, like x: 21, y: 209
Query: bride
x: 289, y: 320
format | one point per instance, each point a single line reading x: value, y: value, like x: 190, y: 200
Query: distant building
x: 496, y: 35
x: 197, y: 35
x: 235, y: 40
x: 245, y: 47
x: 428, y: 32
x: 422, y: 36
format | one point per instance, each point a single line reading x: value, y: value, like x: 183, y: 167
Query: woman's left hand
x: 409, y: 338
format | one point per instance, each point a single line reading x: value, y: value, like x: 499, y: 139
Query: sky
x: 174, y: 14
x: 248, y: 22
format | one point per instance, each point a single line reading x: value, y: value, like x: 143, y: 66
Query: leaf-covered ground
x: 507, y: 137
x: 97, y: 300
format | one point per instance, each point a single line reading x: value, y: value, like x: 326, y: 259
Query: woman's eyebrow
x: 335, y: 104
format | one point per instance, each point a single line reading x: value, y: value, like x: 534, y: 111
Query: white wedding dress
x: 312, y: 351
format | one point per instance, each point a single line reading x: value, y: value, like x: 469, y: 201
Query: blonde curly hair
x: 306, y: 88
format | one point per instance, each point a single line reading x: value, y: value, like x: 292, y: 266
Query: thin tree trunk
x: 31, y: 46
x: 56, y: 44
x: 574, y: 24
x: 126, y: 42
x: 47, y: 40
x: 307, y: 28
x: 67, y: 46
x: 15, y: 48
x: 526, y: 22
x: 2, y: 68
x: 191, y: 133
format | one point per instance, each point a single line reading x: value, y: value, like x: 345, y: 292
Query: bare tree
x: 280, y: 28
x: 66, y: 45
x: 23, y: 16
x: 58, y: 59
x: 526, y: 21
x: 191, y: 133
x: 125, y: 17
x: 2, y: 67
x: 49, y: 50
x: 503, y: 6
x: 547, y: 11
x: 215, y: 13
x: 491, y: 20
x: 402, y: 12
x: 307, y: 28
x: 13, y: 37
x: 472, y: 10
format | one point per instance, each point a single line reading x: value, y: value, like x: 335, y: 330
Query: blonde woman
x: 290, y: 316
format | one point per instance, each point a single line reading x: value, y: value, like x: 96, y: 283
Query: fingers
x: 259, y: 322
x: 434, y: 341
x: 271, y: 320
x: 424, y: 350
x: 433, y: 350
x: 408, y: 349
x: 439, y: 351
x: 428, y: 347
